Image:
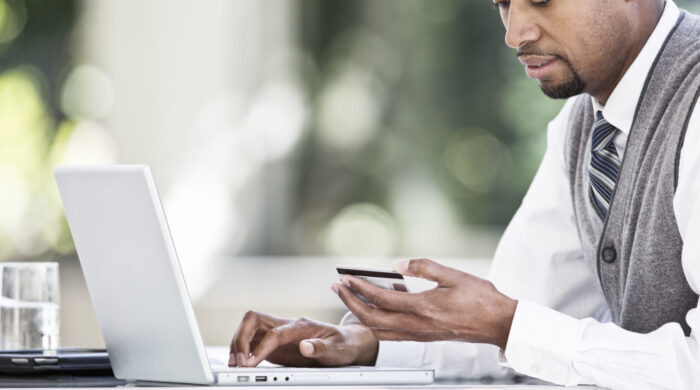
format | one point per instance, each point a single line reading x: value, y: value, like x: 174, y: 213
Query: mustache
x: 533, y: 51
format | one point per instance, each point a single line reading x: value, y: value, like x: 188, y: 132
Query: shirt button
x: 535, y: 368
x: 609, y: 254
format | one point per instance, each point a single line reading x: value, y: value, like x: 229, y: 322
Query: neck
x: 644, y: 28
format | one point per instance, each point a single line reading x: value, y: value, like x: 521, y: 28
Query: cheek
x: 580, y: 31
x: 605, y: 36
x: 588, y: 46
x: 585, y: 54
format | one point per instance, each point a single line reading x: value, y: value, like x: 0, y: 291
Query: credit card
x: 387, y: 279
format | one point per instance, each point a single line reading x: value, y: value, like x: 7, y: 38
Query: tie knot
x: 603, y: 132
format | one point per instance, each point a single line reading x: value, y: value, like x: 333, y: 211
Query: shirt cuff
x: 542, y: 343
x: 400, y: 354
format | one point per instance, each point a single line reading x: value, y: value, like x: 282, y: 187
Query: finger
x: 313, y: 348
x: 381, y: 297
x: 428, y: 269
x: 370, y: 316
x: 360, y: 309
x: 250, y: 325
x: 232, y: 348
x: 245, y: 333
x: 274, y: 338
x: 326, y: 352
x: 378, y: 318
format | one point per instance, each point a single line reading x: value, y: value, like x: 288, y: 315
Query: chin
x: 563, y: 90
x: 570, y: 85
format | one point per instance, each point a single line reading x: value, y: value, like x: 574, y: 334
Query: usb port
x: 261, y: 378
x: 243, y: 378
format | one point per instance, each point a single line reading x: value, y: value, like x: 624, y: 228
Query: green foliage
x: 33, y: 55
x: 455, y: 108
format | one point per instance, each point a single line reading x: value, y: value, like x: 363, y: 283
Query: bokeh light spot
x: 362, y: 229
x: 348, y: 110
x: 276, y: 120
x: 476, y: 161
x: 88, y: 93
x: 13, y: 17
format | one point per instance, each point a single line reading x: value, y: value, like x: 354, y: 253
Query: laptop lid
x: 132, y: 273
x: 139, y: 294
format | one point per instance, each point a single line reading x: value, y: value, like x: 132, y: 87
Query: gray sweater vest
x: 636, y: 250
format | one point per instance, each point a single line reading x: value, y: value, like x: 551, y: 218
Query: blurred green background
x: 393, y: 127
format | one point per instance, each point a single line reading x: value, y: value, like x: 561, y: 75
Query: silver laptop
x: 139, y: 294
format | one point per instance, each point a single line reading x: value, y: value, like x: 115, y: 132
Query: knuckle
x: 275, y: 333
x: 321, y: 348
x: 414, y: 266
x: 378, y: 333
x: 370, y: 320
x: 362, y: 316
x: 250, y: 315
x: 433, y: 310
x: 483, y: 284
x: 417, y: 265
x: 424, y: 307
x: 490, y: 285
x: 378, y: 299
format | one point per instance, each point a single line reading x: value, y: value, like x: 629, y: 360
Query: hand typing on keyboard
x: 300, y: 343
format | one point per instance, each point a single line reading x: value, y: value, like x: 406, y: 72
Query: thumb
x: 313, y: 348
x: 426, y: 269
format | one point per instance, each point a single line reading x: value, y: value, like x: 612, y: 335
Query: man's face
x: 569, y: 46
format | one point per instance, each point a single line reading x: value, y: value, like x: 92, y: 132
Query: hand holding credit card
x: 387, y: 279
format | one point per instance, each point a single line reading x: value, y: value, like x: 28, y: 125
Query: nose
x: 521, y: 26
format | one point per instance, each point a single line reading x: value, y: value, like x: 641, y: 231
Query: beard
x: 572, y: 86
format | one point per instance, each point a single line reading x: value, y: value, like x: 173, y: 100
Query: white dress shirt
x: 561, y: 331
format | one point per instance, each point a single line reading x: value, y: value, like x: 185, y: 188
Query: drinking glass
x: 29, y: 306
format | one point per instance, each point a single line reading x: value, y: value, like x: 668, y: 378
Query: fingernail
x: 309, y: 347
x: 231, y: 360
x: 334, y: 287
x: 401, y: 266
x: 345, y: 281
x: 241, y: 359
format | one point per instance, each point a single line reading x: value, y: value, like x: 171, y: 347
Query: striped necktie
x: 605, y: 165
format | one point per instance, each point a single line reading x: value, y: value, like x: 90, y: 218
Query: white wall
x: 208, y: 95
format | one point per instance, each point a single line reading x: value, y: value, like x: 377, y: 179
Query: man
x: 602, y: 255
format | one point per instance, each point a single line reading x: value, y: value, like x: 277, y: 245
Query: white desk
x: 455, y: 387
x: 90, y: 385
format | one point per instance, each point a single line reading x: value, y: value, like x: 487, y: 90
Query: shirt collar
x: 622, y: 103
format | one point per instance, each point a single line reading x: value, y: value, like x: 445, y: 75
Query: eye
x: 501, y: 4
x: 541, y: 3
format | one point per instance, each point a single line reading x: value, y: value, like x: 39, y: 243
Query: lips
x: 541, y: 64
x: 538, y: 67
x: 536, y: 61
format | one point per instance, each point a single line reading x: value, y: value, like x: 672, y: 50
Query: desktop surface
x: 108, y: 383
x: 101, y: 381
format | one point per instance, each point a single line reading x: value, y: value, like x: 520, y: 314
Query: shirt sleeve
x: 562, y: 349
x: 449, y: 359
x: 538, y: 258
